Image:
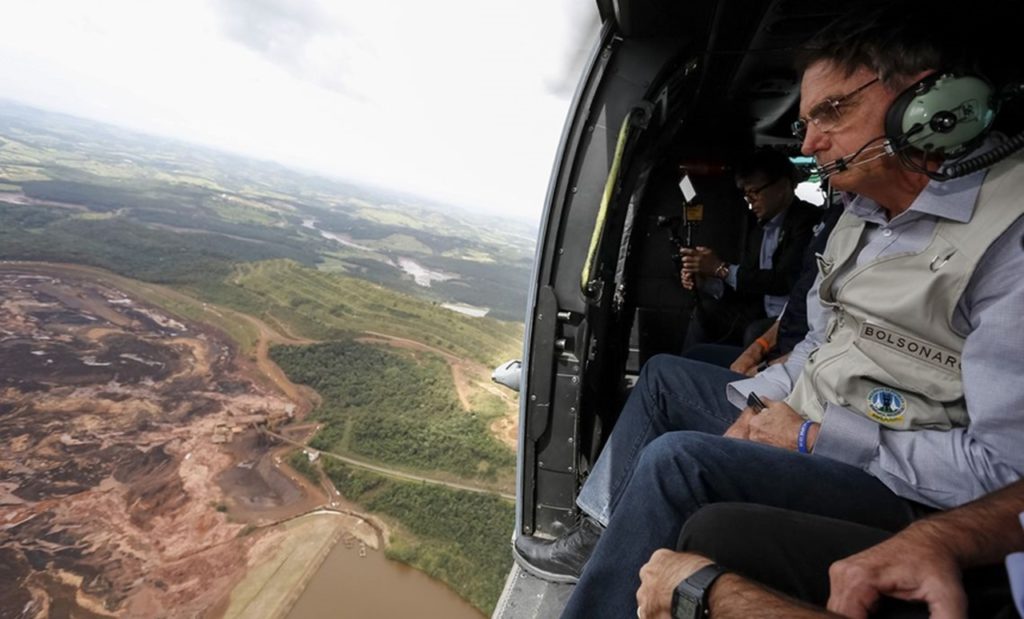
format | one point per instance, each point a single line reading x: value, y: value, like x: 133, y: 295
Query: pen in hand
x: 755, y: 402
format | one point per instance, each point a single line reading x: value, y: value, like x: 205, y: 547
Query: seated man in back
x: 743, y: 560
x: 750, y: 295
x: 775, y: 344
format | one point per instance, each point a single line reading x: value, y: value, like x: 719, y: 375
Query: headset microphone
x: 846, y: 162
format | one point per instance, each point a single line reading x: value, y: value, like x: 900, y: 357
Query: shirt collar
x: 954, y: 199
x: 777, y: 220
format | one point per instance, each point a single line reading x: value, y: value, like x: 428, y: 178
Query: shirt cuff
x: 847, y: 436
x: 713, y: 287
x: 762, y: 385
x: 731, y: 277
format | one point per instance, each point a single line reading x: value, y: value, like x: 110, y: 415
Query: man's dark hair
x: 897, y: 40
x: 768, y: 162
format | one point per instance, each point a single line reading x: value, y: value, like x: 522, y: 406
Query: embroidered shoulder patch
x: 887, y: 406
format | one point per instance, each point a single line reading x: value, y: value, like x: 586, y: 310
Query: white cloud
x: 450, y: 99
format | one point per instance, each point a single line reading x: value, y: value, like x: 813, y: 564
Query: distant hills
x: 74, y: 190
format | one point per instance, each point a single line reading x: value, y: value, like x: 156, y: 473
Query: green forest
x: 396, y: 408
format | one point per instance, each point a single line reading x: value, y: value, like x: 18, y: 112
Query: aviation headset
x: 947, y: 114
x: 942, y: 113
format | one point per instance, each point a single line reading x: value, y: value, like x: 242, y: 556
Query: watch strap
x: 705, y: 576
x: 700, y: 583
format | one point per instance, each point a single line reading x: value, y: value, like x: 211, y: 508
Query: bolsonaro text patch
x: 919, y: 349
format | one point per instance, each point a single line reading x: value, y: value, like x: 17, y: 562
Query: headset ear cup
x: 897, y: 112
x: 943, y: 113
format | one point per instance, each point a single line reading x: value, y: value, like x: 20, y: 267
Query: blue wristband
x: 801, y: 438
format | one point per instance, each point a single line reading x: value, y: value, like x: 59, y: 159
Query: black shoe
x: 562, y: 559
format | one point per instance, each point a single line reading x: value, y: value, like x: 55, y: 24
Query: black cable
x: 984, y: 160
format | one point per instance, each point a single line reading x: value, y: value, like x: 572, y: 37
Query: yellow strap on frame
x: 606, y: 199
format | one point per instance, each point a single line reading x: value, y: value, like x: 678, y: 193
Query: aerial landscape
x: 222, y: 380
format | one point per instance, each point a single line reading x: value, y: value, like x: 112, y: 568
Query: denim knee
x: 655, y: 366
x: 665, y: 362
x: 661, y: 455
x: 689, y: 442
x: 690, y: 459
x: 662, y: 365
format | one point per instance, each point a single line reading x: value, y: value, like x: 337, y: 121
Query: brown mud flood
x: 135, y: 480
x: 116, y: 423
x: 358, y: 582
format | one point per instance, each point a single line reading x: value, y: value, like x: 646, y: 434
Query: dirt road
x: 304, y: 397
x: 395, y: 473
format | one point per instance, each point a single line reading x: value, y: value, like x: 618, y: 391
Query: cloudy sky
x: 461, y: 101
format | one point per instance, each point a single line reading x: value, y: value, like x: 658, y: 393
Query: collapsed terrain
x: 117, y: 494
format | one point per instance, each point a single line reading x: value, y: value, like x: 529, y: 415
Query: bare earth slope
x: 113, y: 484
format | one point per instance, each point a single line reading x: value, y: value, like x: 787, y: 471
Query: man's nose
x: 815, y: 140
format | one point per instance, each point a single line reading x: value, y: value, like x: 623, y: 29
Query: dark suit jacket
x: 753, y: 282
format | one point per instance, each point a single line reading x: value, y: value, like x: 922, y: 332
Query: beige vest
x: 890, y: 351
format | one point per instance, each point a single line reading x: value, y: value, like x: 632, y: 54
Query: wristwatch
x: 690, y: 599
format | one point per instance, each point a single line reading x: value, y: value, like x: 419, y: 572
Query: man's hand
x: 741, y: 427
x: 699, y: 261
x: 688, y: 280
x: 659, y: 578
x: 751, y: 358
x: 913, y: 565
x: 778, y: 424
x: 747, y: 362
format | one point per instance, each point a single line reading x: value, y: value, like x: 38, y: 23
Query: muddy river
x: 350, y: 585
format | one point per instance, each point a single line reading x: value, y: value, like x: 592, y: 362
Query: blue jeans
x: 672, y: 394
x: 721, y: 355
x: 666, y: 458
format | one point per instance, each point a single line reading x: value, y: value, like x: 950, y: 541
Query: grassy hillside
x: 327, y: 305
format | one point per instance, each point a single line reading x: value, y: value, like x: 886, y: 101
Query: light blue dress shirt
x: 773, y: 304
x: 938, y: 468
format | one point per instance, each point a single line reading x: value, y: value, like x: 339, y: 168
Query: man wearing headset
x: 905, y: 396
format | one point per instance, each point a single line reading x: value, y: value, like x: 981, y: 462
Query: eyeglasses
x: 752, y: 194
x: 826, y: 114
